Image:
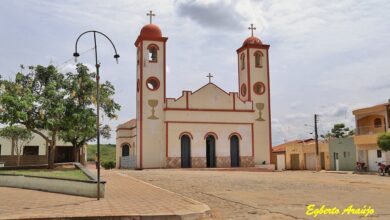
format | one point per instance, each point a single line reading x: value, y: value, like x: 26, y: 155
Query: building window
x: 258, y: 54
x: 242, y: 61
x: 243, y: 90
x: 125, y: 150
x: 138, y: 55
x: 152, y: 48
x: 377, y: 123
x: 152, y: 83
x: 31, y: 150
x: 259, y: 88
x: 379, y: 153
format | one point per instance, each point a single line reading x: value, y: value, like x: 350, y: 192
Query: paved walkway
x: 125, y: 196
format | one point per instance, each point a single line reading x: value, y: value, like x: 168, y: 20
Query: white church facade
x: 208, y: 127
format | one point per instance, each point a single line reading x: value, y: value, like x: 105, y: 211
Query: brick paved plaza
x: 276, y: 195
x: 125, y: 196
x: 230, y: 195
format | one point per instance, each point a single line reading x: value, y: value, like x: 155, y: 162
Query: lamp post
x: 97, y: 65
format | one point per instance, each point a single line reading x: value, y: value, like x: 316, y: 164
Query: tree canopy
x: 63, y: 104
x: 80, y: 116
x: 338, y: 131
x: 384, y: 141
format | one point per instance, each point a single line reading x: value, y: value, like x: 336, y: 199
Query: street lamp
x: 97, y: 65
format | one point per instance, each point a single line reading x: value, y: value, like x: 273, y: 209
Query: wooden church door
x: 185, y: 152
x: 210, y: 151
x: 234, y: 152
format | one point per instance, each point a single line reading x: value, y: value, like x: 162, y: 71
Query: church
x: 209, y: 127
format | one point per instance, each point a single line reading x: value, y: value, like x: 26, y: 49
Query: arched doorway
x: 234, y: 151
x: 210, y: 151
x: 125, y: 150
x: 185, y: 151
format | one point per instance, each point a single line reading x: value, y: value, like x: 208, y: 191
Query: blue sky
x: 327, y: 56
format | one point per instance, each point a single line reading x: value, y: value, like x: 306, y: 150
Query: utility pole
x: 316, y: 138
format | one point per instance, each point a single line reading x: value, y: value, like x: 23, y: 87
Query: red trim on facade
x: 153, y: 45
x: 264, y: 46
x: 260, y: 61
x: 253, y: 142
x: 213, y: 85
x: 140, y: 39
x: 269, y: 108
x: 243, y: 90
x: 234, y: 101
x: 166, y: 140
x: 156, y: 80
x: 249, y: 77
x: 260, y: 84
x: 242, y: 61
x: 165, y: 69
x: 140, y: 112
x: 207, y: 122
x: 208, y: 110
x: 186, y: 133
x: 212, y: 134
x: 235, y: 133
x: 187, y: 104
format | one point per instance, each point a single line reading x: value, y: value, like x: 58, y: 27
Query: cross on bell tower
x: 209, y: 76
x: 150, y: 14
x: 252, y: 28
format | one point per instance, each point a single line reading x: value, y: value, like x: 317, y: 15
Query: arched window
x: 258, y: 54
x: 378, y: 123
x: 242, y: 61
x: 153, y: 48
x: 125, y: 150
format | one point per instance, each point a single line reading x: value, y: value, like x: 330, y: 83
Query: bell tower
x: 151, y: 57
x: 254, y: 85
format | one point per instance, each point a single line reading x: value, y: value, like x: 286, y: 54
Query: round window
x: 259, y: 88
x: 243, y: 89
x: 152, y: 83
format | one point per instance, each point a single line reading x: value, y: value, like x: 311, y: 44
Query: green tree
x: 19, y: 104
x: 384, y: 141
x: 37, y: 101
x: 19, y: 137
x: 80, y: 117
x: 338, y: 131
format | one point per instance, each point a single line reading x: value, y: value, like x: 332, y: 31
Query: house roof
x: 371, y: 108
x: 282, y: 147
x: 132, y: 123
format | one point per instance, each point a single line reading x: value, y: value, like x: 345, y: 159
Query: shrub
x: 108, y: 165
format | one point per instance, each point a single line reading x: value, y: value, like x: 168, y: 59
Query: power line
x: 72, y: 59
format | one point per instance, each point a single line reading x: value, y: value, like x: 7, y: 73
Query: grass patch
x: 74, y: 174
x: 107, y: 152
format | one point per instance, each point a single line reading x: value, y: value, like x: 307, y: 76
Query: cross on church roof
x: 252, y: 28
x: 209, y: 76
x: 150, y: 14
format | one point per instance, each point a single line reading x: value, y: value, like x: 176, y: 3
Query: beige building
x: 301, y: 155
x: 208, y: 127
x: 370, y: 122
x: 35, y: 152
